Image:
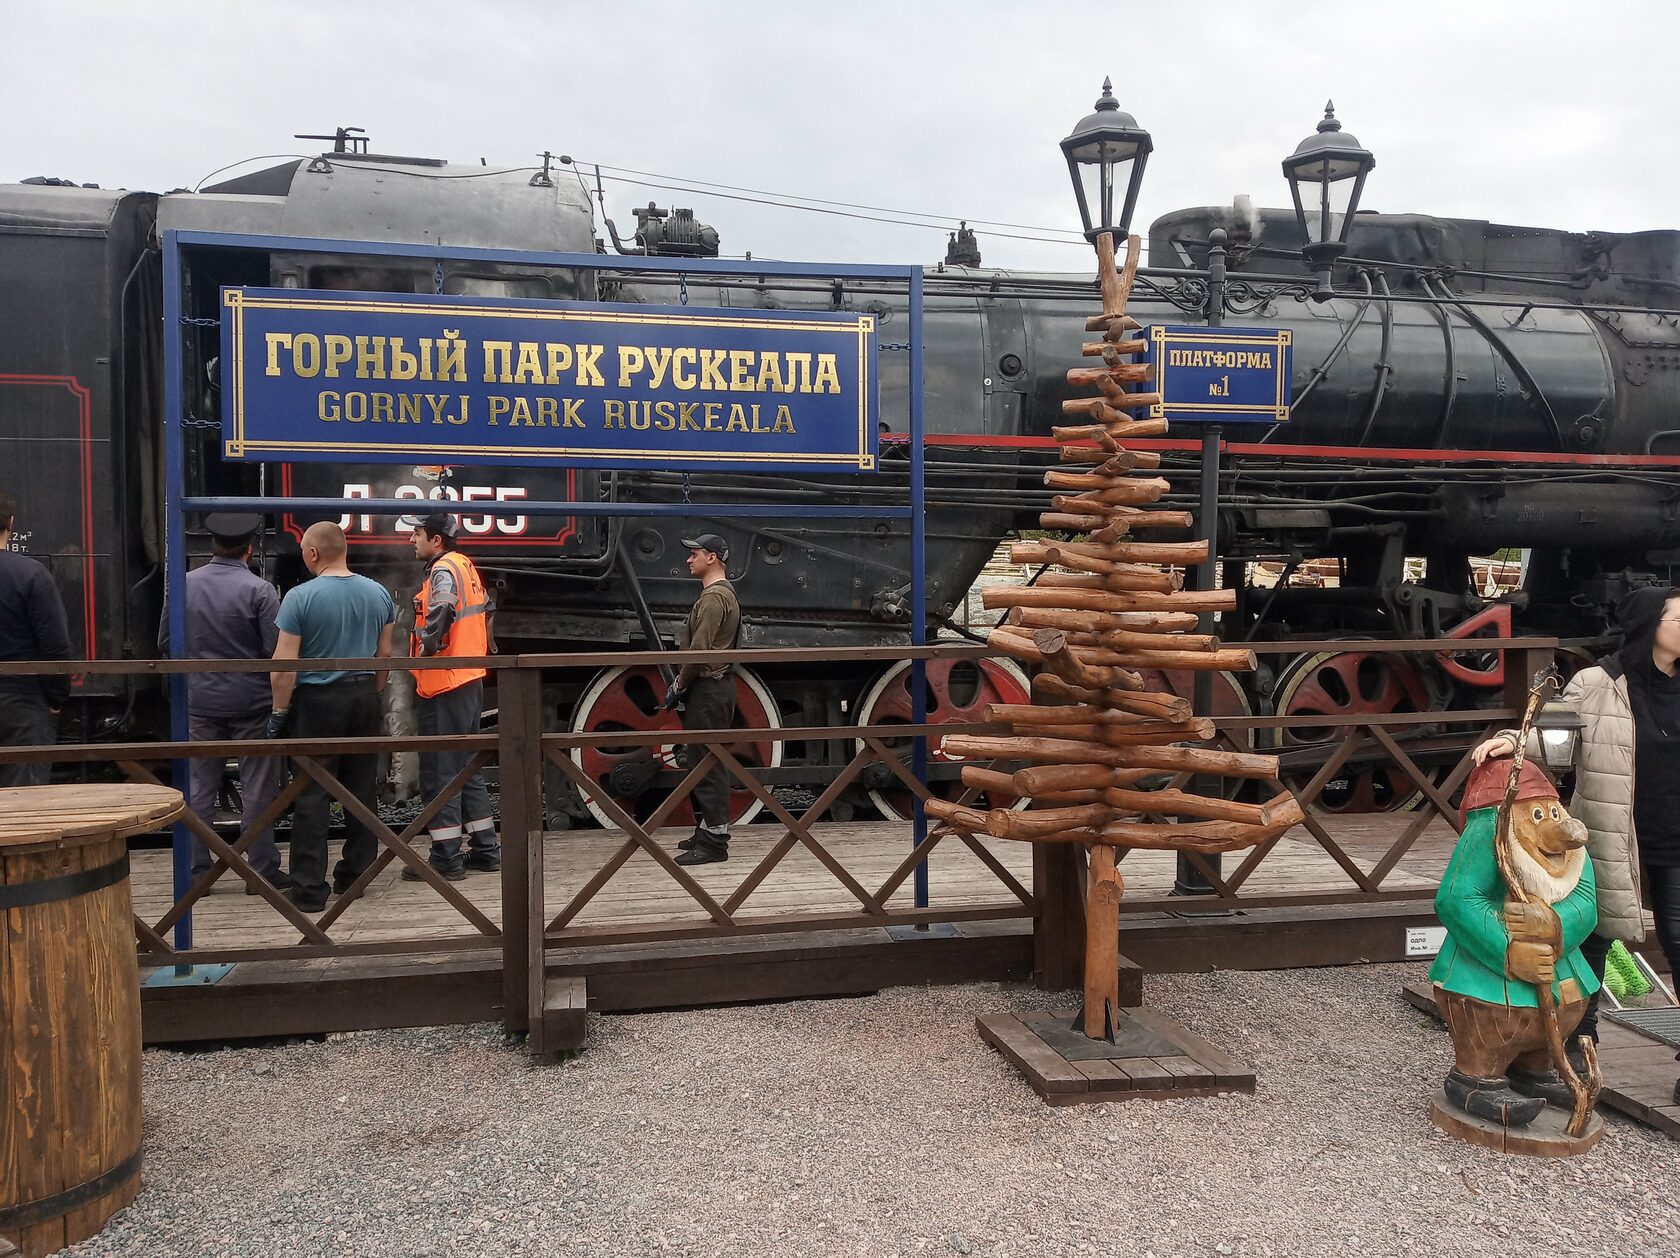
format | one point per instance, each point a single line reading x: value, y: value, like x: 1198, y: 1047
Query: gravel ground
x: 864, y: 1127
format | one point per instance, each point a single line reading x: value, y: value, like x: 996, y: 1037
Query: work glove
x: 673, y: 697
x: 277, y: 722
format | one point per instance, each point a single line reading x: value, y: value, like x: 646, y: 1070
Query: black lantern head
x: 1106, y: 154
x: 1560, y: 729
x: 1326, y: 176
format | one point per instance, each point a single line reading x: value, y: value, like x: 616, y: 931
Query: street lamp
x: 1097, y: 151
x: 1560, y: 729
x: 1325, y: 163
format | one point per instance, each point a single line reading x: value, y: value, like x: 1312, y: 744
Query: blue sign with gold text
x: 367, y: 378
x: 1220, y: 375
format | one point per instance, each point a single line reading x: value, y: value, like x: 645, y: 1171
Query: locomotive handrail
x: 1390, y: 646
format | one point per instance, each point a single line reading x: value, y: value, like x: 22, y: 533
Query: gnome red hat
x: 1486, y: 788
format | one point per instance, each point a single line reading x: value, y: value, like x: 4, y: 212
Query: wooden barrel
x: 69, y: 1009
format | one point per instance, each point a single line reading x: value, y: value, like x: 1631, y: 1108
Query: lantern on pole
x: 1106, y: 154
x: 1326, y: 176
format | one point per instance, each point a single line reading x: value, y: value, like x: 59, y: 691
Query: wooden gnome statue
x: 1517, y: 900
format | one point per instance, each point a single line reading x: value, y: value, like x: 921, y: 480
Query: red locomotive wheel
x: 1339, y: 686
x: 957, y: 691
x: 629, y: 698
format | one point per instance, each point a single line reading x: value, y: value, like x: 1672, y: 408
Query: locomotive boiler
x: 1472, y: 388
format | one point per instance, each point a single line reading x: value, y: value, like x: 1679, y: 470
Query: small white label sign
x: 1424, y: 941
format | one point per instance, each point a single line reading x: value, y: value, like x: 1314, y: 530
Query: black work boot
x: 699, y: 836
x: 1492, y: 1099
x: 706, y: 850
x: 1548, y: 1085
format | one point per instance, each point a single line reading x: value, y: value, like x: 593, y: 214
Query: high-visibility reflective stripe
x: 482, y: 824
x: 443, y: 834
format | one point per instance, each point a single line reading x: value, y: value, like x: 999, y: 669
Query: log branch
x: 1175, y: 803
x: 1155, y: 704
x: 1007, y: 823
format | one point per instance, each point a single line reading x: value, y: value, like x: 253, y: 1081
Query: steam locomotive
x: 1471, y: 388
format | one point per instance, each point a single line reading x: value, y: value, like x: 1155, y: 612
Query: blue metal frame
x: 174, y: 556
x: 177, y: 503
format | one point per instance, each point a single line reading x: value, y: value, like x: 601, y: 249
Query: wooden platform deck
x: 642, y: 893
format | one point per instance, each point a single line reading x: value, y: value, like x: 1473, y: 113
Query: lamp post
x: 1106, y: 148
x: 1326, y: 174
x: 1188, y: 877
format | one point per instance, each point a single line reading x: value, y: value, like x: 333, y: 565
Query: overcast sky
x: 1532, y: 113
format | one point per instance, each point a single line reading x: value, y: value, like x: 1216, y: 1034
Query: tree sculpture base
x: 1162, y: 1059
x: 1545, y: 1137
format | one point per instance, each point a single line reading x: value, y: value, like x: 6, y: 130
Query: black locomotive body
x: 78, y: 408
x: 1427, y: 428
x: 1496, y: 387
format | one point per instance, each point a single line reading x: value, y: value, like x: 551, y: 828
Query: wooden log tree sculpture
x: 1097, y: 741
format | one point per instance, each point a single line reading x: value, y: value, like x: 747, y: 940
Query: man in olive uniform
x: 707, y: 693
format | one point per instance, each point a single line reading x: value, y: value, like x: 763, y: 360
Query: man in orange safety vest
x: 452, y: 617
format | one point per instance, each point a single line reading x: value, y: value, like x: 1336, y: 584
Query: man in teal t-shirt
x: 338, y: 615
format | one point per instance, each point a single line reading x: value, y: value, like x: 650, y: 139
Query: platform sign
x: 393, y: 378
x: 1220, y: 375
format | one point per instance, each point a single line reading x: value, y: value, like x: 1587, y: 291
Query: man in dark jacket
x: 707, y: 692
x: 32, y: 627
x: 230, y: 616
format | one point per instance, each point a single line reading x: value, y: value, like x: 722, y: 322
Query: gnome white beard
x: 1539, y: 881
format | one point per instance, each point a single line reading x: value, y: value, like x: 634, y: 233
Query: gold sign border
x: 236, y: 301
x: 1280, y: 339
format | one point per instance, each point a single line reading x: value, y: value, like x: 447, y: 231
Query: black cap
x: 233, y: 526
x: 708, y: 541
x: 438, y: 523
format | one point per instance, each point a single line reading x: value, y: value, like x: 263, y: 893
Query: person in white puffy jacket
x: 1627, y: 779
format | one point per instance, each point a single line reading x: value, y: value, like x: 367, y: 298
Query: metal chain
x: 685, y: 489
x: 891, y: 345
x: 682, y: 289
x: 201, y: 423
x: 200, y: 323
x: 437, y: 278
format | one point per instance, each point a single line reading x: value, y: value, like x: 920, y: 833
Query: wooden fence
x: 531, y: 930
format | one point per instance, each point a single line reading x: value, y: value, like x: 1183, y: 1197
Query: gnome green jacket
x: 1471, y: 904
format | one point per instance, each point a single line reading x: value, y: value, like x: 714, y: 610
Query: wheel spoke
x: 1340, y: 689
x: 958, y: 691
x: 631, y: 699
